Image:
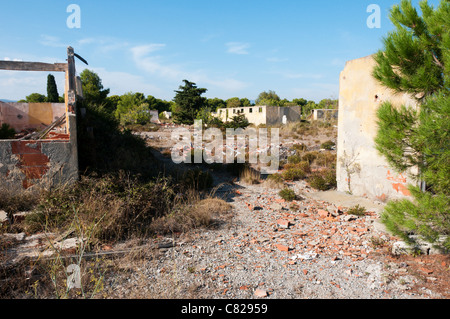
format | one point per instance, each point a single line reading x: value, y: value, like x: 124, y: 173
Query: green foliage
x: 323, y: 180
x: 6, y: 132
x: 293, y: 173
x: 294, y: 159
x: 428, y: 217
x: 104, y: 148
x: 328, y: 145
x: 268, y: 98
x: 93, y: 90
x: 415, y: 55
x: 328, y: 104
x: 137, y: 115
x: 239, y: 121
x: 233, y: 102
x: 287, y: 194
x: 36, y: 98
x: 52, y: 90
x: 415, y: 60
x: 216, y: 103
x: 357, y: 210
x: 188, y: 102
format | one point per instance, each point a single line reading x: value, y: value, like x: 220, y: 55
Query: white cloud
x: 154, y: 64
x: 52, y: 41
x: 237, y: 47
x: 122, y: 82
x: 16, y: 85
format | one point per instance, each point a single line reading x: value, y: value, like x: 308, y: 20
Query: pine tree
x: 52, y: 90
x: 189, y: 103
x: 416, y: 59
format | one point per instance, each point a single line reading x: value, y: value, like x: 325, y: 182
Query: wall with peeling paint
x: 36, y: 164
x: 22, y: 116
x: 360, y: 168
x: 262, y: 114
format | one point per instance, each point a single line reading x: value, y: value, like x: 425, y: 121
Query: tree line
x: 187, y: 105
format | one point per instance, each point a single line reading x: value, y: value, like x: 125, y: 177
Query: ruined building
x: 45, y: 153
x: 361, y: 170
x: 262, y: 114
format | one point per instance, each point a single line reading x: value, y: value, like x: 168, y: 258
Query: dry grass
x: 275, y: 181
x: 249, y: 176
x: 191, y: 214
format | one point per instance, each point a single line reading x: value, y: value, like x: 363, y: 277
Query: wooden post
x: 71, y: 81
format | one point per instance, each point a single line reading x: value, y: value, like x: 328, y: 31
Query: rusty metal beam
x: 32, y: 66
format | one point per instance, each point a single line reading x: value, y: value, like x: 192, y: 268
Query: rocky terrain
x: 268, y: 248
x: 263, y: 248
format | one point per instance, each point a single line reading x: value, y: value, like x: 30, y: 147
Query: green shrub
x: 239, y: 121
x: 357, y: 210
x: 287, y: 194
x: 310, y: 157
x: 323, y: 180
x: 299, y: 147
x: 293, y: 174
x: 294, y: 159
x: 328, y: 145
x: 7, y: 132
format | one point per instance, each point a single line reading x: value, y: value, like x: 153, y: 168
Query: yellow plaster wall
x: 359, y: 98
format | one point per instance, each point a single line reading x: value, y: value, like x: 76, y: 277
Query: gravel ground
x: 274, y: 250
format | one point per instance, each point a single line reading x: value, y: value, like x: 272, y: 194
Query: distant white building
x: 155, y: 117
x: 324, y: 114
x: 166, y: 115
x: 262, y: 114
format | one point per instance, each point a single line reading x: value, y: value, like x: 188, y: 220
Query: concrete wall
x: 358, y: 162
x: 22, y: 116
x: 254, y: 114
x: 324, y: 114
x: 275, y: 114
x: 262, y: 114
x: 31, y: 165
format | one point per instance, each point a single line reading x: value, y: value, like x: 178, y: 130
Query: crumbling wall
x: 35, y: 164
x: 275, y: 114
x: 361, y: 170
x: 24, y: 116
x: 324, y: 114
x: 48, y: 157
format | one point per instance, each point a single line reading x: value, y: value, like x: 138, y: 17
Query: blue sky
x: 233, y: 48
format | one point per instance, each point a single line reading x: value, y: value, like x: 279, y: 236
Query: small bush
x: 287, y: 194
x: 326, y: 159
x: 294, y: 159
x: 323, y: 180
x: 299, y: 147
x: 293, y: 174
x: 357, y: 210
x: 328, y: 145
x: 7, y: 132
x: 310, y: 157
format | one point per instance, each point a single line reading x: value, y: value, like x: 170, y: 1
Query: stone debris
x: 310, y: 251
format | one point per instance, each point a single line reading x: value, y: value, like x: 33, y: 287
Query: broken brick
x: 282, y: 247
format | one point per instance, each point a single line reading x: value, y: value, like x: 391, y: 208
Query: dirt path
x: 273, y: 249
x: 306, y: 249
